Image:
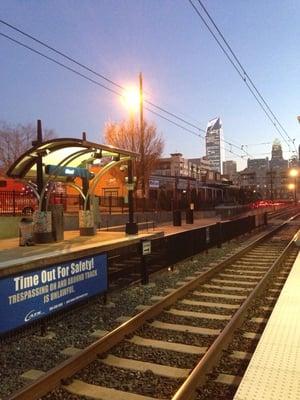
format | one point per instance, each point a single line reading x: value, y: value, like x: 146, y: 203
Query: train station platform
x: 274, y: 370
x: 14, y: 258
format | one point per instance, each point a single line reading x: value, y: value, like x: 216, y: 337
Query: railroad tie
x: 208, y: 286
x: 194, y: 314
x: 229, y: 379
x: 236, y: 276
x: 210, y: 304
x: 70, y: 351
x: 172, y: 346
x: 241, y: 355
x: 80, y: 388
x: 185, y: 328
x: 259, y: 320
x: 247, y: 271
x: 32, y: 374
x: 251, y: 335
x: 231, y: 281
x: 220, y: 295
x: 141, y: 366
x: 266, y: 308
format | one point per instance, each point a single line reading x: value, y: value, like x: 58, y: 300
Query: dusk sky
x: 184, y: 70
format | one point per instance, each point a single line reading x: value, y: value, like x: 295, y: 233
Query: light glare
x: 131, y: 99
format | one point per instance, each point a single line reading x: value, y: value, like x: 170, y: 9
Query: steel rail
x: 55, y: 376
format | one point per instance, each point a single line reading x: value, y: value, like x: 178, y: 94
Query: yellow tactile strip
x: 274, y: 370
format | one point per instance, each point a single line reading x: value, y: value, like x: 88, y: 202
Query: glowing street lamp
x: 293, y: 173
x: 131, y: 99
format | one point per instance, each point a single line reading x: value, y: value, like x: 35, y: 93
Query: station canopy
x: 72, y: 153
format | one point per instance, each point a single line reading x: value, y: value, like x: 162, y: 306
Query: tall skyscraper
x: 276, y: 150
x: 277, y: 160
x: 214, y: 139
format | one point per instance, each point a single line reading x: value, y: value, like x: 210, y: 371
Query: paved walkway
x: 11, y: 254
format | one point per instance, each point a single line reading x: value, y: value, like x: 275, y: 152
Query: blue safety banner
x: 35, y: 294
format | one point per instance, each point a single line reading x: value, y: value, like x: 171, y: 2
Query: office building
x: 214, y: 143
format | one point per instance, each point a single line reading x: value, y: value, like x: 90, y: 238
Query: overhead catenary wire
x: 244, y: 70
x: 252, y: 88
x: 91, y: 70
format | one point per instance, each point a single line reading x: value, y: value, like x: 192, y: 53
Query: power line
x: 243, y: 69
x: 243, y: 75
x: 108, y: 80
x: 60, y: 53
x: 59, y: 63
x: 111, y: 81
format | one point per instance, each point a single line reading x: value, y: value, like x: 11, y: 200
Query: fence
x: 168, y: 250
x: 18, y: 203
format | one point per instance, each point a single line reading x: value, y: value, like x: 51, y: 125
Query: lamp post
x: 142, y: 137
x: 294, y: 174
x: 131, y: 99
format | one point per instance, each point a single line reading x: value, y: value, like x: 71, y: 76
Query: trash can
x: 26, y: 232
x: 189, y: 216
x: 176, y: 218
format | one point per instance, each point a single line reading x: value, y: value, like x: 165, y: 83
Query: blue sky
x: 184, y: 70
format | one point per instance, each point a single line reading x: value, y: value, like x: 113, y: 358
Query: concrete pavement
x: 15, y: 258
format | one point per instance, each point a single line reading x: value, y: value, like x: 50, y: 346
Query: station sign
x: 32, y: 295
x: 153, y: 184
x: 146, y: 247
x: 68, y: 171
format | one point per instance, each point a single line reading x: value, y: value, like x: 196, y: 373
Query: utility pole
x: 142, y: 136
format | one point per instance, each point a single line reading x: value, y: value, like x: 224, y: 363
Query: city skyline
x: 110, y: 41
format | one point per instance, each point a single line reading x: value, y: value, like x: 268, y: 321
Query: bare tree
x: 126, y: 135
x: 15, y: 140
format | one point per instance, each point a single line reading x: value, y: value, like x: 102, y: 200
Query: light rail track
x: 155, y: 354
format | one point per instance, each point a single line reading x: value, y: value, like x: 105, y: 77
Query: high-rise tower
x: 213, y: 139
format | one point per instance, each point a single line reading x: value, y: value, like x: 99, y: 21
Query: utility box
x: 26, y: 232
x: 176, y: 218
x: 57, y: 212
x: 189, y: 216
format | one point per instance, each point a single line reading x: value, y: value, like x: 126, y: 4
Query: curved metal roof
x: 55, y: 151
